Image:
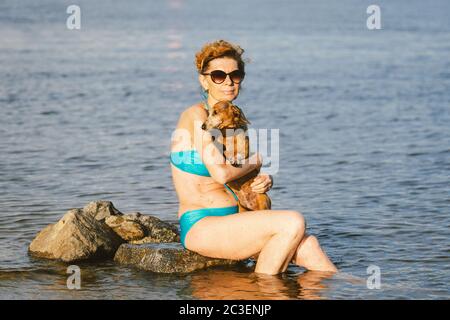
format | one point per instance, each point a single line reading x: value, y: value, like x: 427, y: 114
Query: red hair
x: 218, y: 49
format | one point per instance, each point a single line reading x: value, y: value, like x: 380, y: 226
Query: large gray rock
x: 80, y: 234
x: 165, y: 258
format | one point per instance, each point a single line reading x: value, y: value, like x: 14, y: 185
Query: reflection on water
x: 363, y: 118
x: 218, y: 284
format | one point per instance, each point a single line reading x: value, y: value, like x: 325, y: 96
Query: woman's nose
x: 228, y: 80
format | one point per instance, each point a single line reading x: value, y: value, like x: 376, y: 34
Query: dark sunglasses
x: 219, y: 76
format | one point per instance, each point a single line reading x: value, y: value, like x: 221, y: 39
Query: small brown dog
x: 235, y: 143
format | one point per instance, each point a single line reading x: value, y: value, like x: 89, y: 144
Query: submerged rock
x: 80, y: 234
x: 165, y: 258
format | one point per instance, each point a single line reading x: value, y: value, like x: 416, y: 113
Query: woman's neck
x: 211, y: 101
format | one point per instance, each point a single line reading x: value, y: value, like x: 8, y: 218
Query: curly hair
x: 218, y: 49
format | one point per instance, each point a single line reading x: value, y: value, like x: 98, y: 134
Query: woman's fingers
x: 260, y: 190
x: 262, y: 183
x: 259, y: 181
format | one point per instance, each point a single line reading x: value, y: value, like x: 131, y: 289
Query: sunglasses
x: 219, y: 76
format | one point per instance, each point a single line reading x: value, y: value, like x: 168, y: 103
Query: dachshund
x: 225, y: 115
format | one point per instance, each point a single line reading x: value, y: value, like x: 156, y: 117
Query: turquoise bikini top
x: 189, y: 161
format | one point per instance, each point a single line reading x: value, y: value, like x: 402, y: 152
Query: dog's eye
x: 214, y: 113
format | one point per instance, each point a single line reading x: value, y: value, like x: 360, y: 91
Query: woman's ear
x: 203, y: 82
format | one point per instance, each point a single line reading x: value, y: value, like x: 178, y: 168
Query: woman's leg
x: 274, y: 234
x: 310, y: 255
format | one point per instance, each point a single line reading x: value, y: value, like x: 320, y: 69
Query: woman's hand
x: 262, y: 183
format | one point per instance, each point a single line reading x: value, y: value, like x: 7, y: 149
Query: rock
x: 79, y: 235
x: 100, y: 210
x: 149, y: 239
x: 126, y: 229
x: 159, y: 231
x: 165, y: 258
x: 133, y: 215
x: 138, y: 228
x: 96, y: 231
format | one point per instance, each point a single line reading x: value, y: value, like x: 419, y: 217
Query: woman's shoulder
x: 195, y: 111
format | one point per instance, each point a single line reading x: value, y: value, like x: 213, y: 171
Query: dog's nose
x: 203, y: 126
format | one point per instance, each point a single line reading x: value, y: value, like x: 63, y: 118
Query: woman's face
x: 226, y: 90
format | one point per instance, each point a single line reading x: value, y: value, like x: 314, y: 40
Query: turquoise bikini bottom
x: 189, y: 218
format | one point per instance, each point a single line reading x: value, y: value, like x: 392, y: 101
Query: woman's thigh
x: 241, y: 235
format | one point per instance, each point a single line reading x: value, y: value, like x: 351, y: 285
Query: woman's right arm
x: 213, y: 158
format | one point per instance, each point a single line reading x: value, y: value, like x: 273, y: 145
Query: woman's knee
x: 310, y: 241
x: 294, y: 224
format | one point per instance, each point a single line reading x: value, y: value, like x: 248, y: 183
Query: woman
x: 209, y: 219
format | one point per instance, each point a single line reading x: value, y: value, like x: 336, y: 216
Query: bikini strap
x: 206, y: 105
x: 234, y: 195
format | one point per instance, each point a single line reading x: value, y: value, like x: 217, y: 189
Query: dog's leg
x: 241, y: 208
x: 241, y: 144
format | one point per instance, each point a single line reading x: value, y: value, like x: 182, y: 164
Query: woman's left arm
x: 263, y: 182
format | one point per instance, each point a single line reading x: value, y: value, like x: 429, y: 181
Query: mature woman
x: 209, y: 219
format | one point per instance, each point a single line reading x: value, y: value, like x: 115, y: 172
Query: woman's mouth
x: 228, y: 92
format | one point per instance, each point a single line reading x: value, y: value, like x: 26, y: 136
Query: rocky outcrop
x: 165, y: 258
x: 100, y: 210
x: 127, y: 229
x: 96, y: 231
x: 100, y: 231
x: 80, y: 234
x: 138, y: 228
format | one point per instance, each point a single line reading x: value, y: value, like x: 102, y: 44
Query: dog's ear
x: 221, y: 105
x: 239, y: 116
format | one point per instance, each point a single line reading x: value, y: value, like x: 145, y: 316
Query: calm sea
x: 364, y: 130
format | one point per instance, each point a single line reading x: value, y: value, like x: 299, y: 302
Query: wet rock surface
x: 165, y: 258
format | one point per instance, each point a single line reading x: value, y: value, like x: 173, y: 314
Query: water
x: 364, y: 136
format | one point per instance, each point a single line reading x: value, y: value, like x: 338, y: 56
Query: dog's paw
x: 232, y: 160
x: 238, y: 159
